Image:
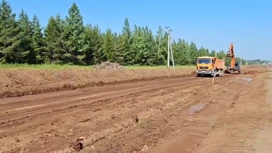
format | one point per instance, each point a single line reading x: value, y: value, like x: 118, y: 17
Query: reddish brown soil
x: 161, y: 115
x: 20, y: 82
x: 255, y: 70
x: 246, y: 126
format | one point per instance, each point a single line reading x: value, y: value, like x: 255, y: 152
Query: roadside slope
x: 20, y: 82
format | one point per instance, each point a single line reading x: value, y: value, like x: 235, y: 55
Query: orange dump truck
x: 210, y: 66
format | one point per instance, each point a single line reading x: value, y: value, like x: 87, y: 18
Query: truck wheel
x: 213, y: 75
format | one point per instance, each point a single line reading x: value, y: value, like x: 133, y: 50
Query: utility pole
x: 172, y: 55
x: 216, y: 50
x: 169, y: 49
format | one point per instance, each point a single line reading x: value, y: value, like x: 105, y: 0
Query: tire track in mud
x: 100, y: 106
x: 238, y: 129
x: 144, y: 117
x: 161, y: 127
x: 24, y: 109
x: 132, y: 118
x: 199, y: 124
x: 152, y: 129
x: 123, y: 119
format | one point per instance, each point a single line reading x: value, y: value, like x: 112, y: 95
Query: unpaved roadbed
x: 246, y: 127
x: 99, y: 114
x: 207, y: 112
x: 120, y: 121
x: 161, y: 115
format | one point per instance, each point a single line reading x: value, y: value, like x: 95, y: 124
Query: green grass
x: 58, y: 67
x: 43, y: 66
x: 158, y: 67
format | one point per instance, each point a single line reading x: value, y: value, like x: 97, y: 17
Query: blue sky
x: 213, y: 24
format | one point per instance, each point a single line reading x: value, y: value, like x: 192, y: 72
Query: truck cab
x: 209, y: 66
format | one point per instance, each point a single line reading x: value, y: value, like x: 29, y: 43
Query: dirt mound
x: 251, y: 72
x: 21, y: 82
x: 108, y: 65
x: 256, y: 71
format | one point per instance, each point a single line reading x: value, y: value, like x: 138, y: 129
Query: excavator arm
x: 233, y: 66
x: 230, y: 53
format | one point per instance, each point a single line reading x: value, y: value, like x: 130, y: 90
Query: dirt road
x: 246, y: 126
x: 162, y: 115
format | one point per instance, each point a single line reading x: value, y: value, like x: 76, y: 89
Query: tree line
x: 68, y: 41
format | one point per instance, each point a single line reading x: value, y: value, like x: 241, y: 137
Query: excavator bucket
x: 229, y: 54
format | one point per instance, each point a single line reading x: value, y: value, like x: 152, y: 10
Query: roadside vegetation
x: 68, y: 41
x: 59, y: 67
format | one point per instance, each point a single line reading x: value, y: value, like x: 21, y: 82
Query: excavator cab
x: 237, y: 65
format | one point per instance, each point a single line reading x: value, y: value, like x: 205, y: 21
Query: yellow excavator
x: 234, y: 66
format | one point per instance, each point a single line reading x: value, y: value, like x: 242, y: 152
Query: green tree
x: 161, y: 40
x: 126, y: 50
x: 184, y: 49
x: 108, y: 47
x: 54, y: 36
x: 203, y: 52
x: 74, y: 36
x: 39, y: 44
x: 213, y: 53
x: 25, y: 52
x: 221, y: 54
x: 69, y: 41
x: 151, y: 46
x: 96, y: 41
x: 87, y: 47
x: 136, y: 38
x: 10, y: 41
x: 143, y: 44
x: 193, y: 53
x: 120, y: 50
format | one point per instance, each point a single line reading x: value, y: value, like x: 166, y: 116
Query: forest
x: 66, y: 40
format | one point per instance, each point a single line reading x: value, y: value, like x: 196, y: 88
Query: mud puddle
x: 247, y: 79
x: 196, y: 108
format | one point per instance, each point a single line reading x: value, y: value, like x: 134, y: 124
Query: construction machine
x: 234, y: 66
x: 210, y: 66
